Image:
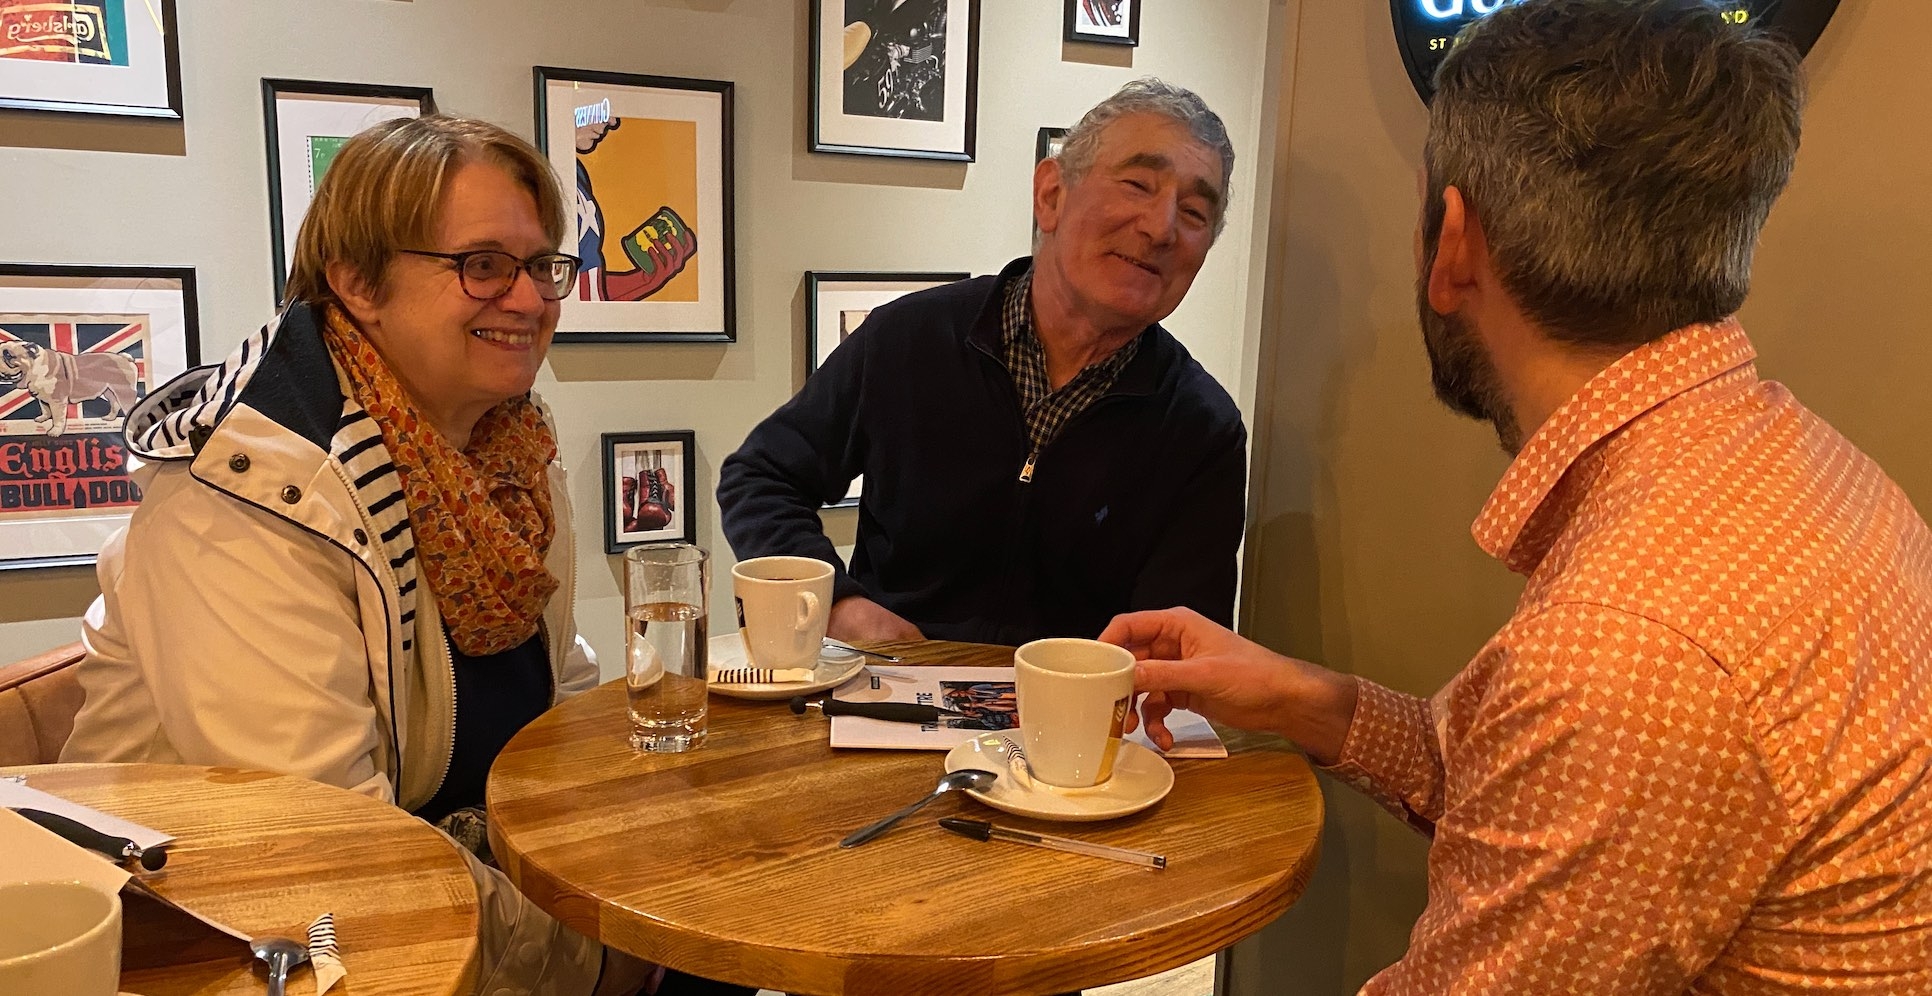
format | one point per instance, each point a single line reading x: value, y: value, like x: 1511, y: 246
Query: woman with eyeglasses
x: 358, y: 522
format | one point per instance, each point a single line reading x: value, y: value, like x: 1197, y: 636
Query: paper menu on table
x: 986, y: 696
x: 19, y: 795
x: 31, y: 854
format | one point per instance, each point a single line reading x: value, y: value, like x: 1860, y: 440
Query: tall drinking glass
x: 666, y: 586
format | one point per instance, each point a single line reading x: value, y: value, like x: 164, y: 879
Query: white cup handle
x: 807, y: 608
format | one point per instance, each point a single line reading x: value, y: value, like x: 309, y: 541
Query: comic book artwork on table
x: 840, y: 303
x: 79, y: 346
x: 115, y: 57
x: 895, y: 77
x: 1109, y: 22
x: 648, y: 166
x: 650, y: 488
x: 986, y: 699
x: 306, y: 122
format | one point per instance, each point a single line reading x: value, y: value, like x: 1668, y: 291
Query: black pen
x: 896, y: 712
x: 982, y: 830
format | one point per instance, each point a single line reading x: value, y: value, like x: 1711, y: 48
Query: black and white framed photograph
x: 651, y: 157
x: 1109, y: 22
x: 115, y: 57
x: 1049, y: 144
x: 839, y: 303
x: 305, y: 123
x: 895, y: 77
x: 79, y: 346
x: 650, y: 488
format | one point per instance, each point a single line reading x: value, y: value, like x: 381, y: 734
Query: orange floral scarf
x: 481, y: 516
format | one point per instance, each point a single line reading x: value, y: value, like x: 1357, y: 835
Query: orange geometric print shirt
x: 1698, y: 758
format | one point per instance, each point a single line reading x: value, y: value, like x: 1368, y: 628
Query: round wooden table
x: 724, y: 862
x: 266, y: 854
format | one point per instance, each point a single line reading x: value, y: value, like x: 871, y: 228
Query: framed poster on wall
x: 79, y: 345
x: 650, y: 488
x: 306, y: 123
x: 895, y: 77
x: 1109, y: 22
x: 839, y: 303
x: 651, y: 158
x: 116, y: 57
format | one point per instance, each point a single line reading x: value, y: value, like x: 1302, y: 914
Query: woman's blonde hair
x: 385, y: 188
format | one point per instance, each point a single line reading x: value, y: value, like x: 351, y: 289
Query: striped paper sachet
x: 324, y: 956
x: 760, y: 675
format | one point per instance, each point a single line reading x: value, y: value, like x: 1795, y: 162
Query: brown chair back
x: 39, y: 697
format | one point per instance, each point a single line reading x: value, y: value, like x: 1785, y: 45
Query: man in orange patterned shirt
x: 1698, y: 758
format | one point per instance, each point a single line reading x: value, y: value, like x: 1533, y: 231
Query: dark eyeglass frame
x: 460, y: 262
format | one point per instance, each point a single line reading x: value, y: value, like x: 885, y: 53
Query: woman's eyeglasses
x: 487, y: 274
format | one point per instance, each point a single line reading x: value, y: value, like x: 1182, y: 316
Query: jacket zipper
x: 449, y: 662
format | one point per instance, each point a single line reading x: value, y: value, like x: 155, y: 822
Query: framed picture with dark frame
x: 650, y: 488
x: 79, y: 346
x: 652, y: 162
x: 305, y: 123
x: 1050, y: 142
x: 1107, y: 22
x: 110, y: 57
x: 895, y: 78
x: 838, y: 303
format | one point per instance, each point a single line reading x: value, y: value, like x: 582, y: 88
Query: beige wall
x: 86, y: 191
x: 1359, y: 554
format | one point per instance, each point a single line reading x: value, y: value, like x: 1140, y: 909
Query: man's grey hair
x: 1150, y: 96
x: 1620, y: 156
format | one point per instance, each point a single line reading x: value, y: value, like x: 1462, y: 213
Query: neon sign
x: 1425, y: 30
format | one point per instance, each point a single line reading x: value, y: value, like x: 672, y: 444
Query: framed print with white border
x: 79, y: 346
x: 839, y: 303
x: 115, y: 57
x: 895, y: 77
x: 650, y: 161
x: 1108, y: 22
x: 650, y: 488
x: 306, y: 122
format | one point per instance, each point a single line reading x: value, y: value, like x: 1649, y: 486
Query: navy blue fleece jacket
x: 1137, y: 504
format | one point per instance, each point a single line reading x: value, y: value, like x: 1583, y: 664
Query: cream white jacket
x: 262, y: 609
x: 250, y: 612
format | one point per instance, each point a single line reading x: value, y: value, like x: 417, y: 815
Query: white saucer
x: 835, y: 668
x: 1141, y: 779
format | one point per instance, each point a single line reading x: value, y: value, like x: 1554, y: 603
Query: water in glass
x: 665, y: 673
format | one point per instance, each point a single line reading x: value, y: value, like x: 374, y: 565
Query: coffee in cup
x: 783, y: 606
x: 1073, y: 697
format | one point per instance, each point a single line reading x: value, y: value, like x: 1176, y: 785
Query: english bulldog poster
x: 66, y: 385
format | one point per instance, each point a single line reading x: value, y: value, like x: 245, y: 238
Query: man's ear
x: 357, y: 297
x: 1459, y: 251
x: 1049, y: 189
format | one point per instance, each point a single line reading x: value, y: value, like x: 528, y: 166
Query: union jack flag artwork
x: 62, y: 374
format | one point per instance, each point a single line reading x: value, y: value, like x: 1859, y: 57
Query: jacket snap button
x: 291, y: 494
x: 238, y: 463
x: 362, y: 537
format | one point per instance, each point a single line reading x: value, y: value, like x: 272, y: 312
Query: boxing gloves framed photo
x: 650, y: 484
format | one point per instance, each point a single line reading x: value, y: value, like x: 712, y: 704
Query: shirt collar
x: 1636, y: 383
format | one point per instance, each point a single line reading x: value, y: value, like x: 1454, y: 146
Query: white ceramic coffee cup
x: 1073, y: 697
x: 59, y: 937
x: 783, y: 605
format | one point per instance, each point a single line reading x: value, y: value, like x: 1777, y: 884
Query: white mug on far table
x: 1073, y: 699
x: 59, y: 937
x: 783, y: 605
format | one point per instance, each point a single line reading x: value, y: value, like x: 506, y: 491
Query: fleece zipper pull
x: 1026, y: 471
